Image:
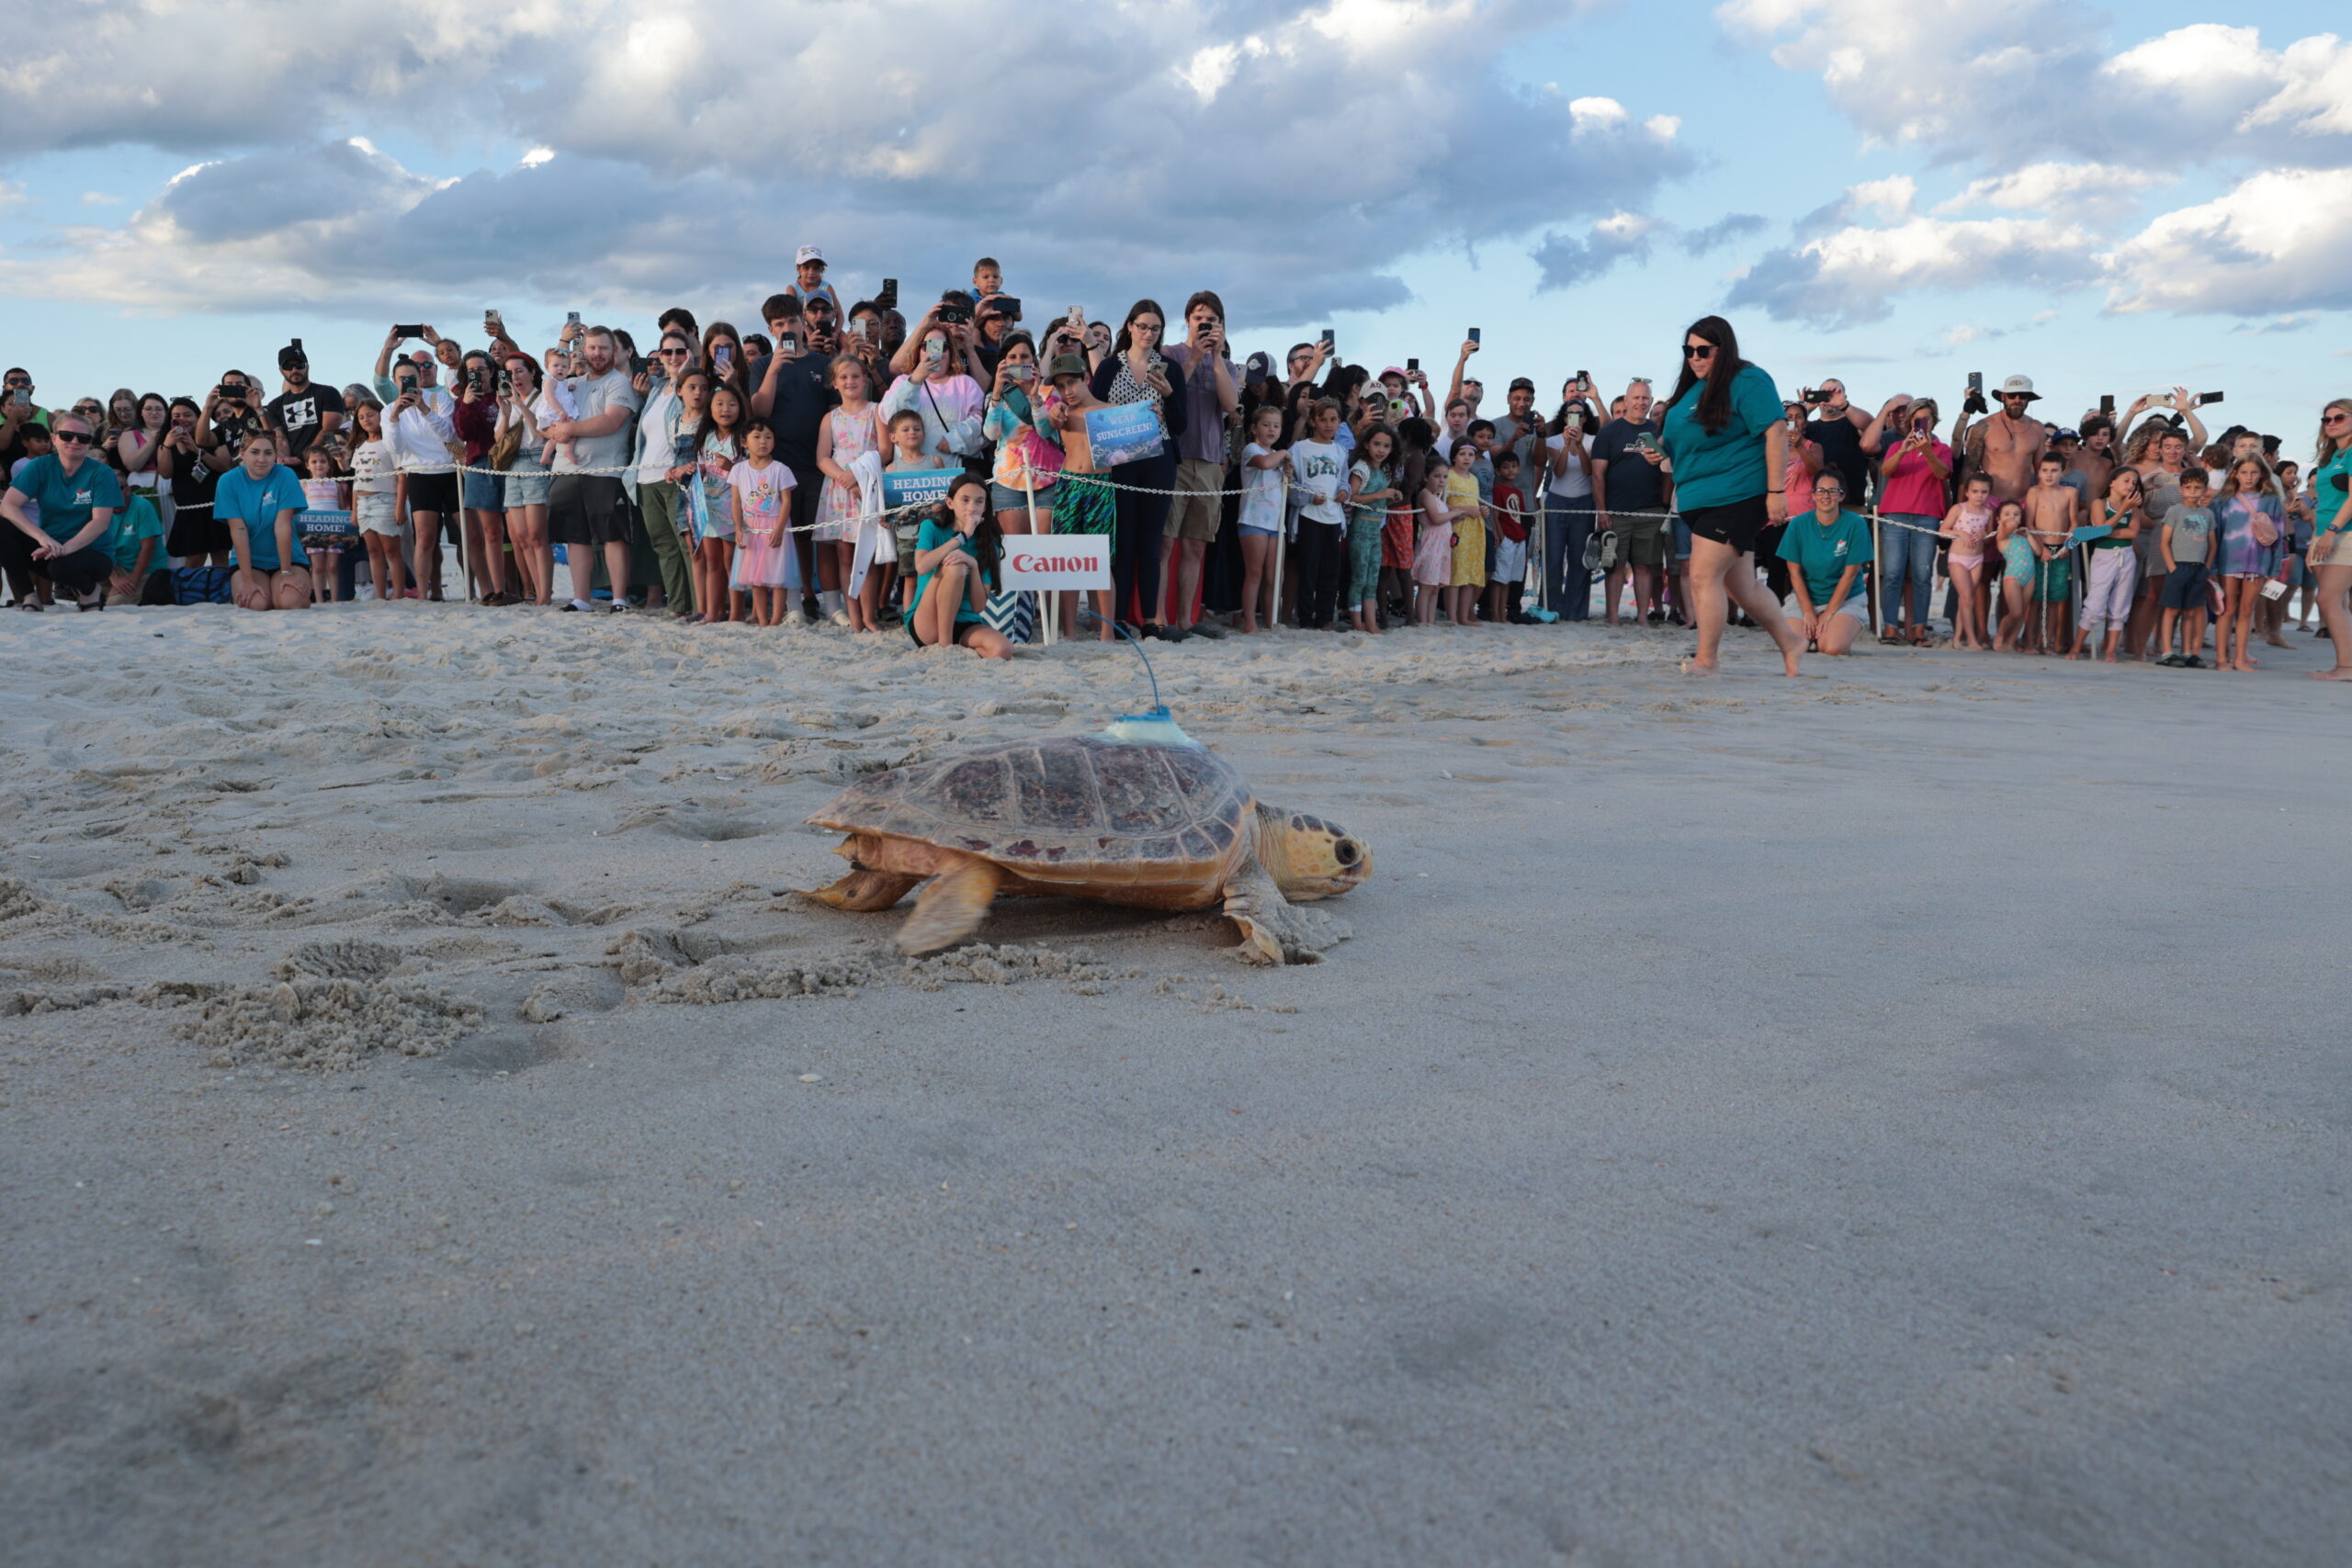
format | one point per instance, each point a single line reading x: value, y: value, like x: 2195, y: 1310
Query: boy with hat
x: 809, y: 266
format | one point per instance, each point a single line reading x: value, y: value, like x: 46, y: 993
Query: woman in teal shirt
x: 954, y: 565
x: 1728, y: 448
x: 258, y: 501
x: 2331, y: 552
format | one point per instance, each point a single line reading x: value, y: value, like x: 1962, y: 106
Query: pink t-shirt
x: 1914, y: 489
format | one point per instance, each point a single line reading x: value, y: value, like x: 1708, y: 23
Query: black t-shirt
x: 1632, y: 484
x: 231, y: 428
x: 802, y: 396
x: 297, y: 413
x: 1842, y: 449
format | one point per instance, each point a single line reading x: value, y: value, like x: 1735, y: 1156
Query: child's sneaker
x: 1608, y: 550
x: 2170, y: 661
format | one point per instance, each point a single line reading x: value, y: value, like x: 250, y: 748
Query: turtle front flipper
x: 1274, y: 930
x: 951, y: 906
x: 865, y: 891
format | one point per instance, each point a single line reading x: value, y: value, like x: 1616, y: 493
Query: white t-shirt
x: 372, y: 469
x: 1262, y: 493
x: 1578, y: 479
x: 1320, y: 468
x: 653, y: 434
x: 764, y: 493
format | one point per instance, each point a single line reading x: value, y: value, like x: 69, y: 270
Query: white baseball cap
x: 809, y: 254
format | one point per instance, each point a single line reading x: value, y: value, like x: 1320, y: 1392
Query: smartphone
x: 637, y: 365
x: 1412, y: 364
x: 788, y: 343
x: 1923, y: 425
x: 408, y: 330
x: 407, y: 384
x: 1976, y: 383
x: 494, y: 323
x: 1330, y: 343
x: 856, y: 327
x: 935, y: 347
x: 1023, y: 372
x: 889, y: 299
x: 1077, y: 316
x: 1584, y: 381
x: 1815, y: 397
x: 1474, y: 334
x: 2200, y: 401
x: 506, y: 384
x: 2106, y: 404
x: 1645, y: 442
x: 572, y: 318
x: 723, y: 356
x: 1006, y: 305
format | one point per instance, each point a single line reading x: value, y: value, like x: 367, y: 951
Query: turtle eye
x: 1344, y: 852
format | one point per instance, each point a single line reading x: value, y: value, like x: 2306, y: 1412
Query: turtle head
x: 1307, y: 857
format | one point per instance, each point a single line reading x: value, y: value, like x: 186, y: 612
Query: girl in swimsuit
x: 1966, y: 525
x: 2017, y: 577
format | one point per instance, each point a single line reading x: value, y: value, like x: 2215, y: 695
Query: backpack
x: 200, y: 584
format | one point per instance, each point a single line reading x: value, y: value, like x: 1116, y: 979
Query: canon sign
x: 1070, y: 561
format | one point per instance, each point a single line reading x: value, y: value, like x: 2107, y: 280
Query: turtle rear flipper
x: 1275, y: 930
x: 865, y: 891
x: 951, y: 907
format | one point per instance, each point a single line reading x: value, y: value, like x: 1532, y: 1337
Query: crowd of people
x: 722, y: 476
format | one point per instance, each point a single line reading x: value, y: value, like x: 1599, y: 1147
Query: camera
x: 954, y: 315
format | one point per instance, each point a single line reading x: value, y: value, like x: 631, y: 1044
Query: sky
x: 1892, y: 192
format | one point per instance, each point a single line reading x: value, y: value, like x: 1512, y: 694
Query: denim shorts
x: 1004, y: 498
x: 484, y: 492
x: 526, y: 483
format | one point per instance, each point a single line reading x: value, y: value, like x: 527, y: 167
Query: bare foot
x: 2341, y: 672
x: 1693, y: 667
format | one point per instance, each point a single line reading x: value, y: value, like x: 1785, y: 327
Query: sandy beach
x: 1898, y: 1115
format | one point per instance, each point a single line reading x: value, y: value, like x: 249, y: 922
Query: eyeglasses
x: 1698, y: 351
x: 69, y: 438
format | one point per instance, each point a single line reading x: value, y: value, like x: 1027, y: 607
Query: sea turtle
x: 1158, y: 821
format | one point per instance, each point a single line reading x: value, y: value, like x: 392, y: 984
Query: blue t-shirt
x: 933, y: 535
x: 1824, y: 554
x: 2331, y: 508
x: 66, y: 502
x: 258, y: 502
x: 1728, y: 466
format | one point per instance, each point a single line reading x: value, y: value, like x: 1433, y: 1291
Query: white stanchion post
x: 1879, y: 621
x: 1047, y: 608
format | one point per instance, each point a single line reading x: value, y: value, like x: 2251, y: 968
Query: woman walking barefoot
x: 1729, y: 445
x: 2331, y: 553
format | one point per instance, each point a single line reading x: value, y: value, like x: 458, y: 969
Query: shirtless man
x: 2052, y: 511
x: 2005, y: 448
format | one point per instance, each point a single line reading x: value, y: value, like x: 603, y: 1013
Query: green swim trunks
x: 2053, y: 579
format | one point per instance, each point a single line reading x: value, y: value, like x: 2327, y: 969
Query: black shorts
x: 587, y: 509
x: 2185, y: 587
x: 1735, y: 523
x: 436, y: 493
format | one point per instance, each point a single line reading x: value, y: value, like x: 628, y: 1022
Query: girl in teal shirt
x: 953, y: 566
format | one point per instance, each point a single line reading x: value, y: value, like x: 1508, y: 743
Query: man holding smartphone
x: 304, y: 411
x: 587, y: 505
x: 1212, y: 393
x: 789, y: 395
x: 18, y: 410
x: 1632, y: 491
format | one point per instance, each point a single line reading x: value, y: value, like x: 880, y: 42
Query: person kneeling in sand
x: 954, y: 564
x: 1826, y: 550
x: 259, y: 501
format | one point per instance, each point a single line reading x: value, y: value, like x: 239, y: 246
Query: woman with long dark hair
x: 958, y: 561
x: 1730, y: 449
x: 2331, y: 550
x: 1134, y: 372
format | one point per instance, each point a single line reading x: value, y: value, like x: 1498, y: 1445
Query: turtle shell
x: 1069, y: 808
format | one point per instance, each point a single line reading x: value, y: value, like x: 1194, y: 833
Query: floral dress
x: 854, y: 434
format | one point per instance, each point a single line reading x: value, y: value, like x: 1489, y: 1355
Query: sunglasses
x: 69, y: 438
x: 2338, y: 417
x: 672, y: 353
x: 1698, y: 351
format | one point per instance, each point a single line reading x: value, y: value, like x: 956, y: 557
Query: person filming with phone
x: 1211, y: 388
x: 420, y: 428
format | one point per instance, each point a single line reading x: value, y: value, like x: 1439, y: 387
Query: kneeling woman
x: 1828, y: 552
x: 955, y: 564
x: 259, y: 501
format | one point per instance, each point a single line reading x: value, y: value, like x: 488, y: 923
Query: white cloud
x: 1853, y: 275
x: 1565, y: 260
x: 2008, y: 81
x: 2276, y: 242
x: 699, y: 142
x: 2098, y: 193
